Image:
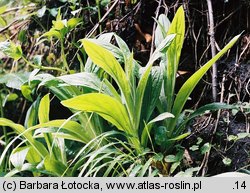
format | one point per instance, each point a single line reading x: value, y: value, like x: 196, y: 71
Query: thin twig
x: 9, y: 25
x: 213, y: 50
x: 92, y: 31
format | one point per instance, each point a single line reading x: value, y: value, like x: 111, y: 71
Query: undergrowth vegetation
x: 125, y: 117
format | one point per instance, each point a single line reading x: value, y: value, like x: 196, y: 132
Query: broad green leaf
x: 11, y: 50
x: 232, y: 138
x: 147, y: 129
x: 54, y: 166
x: 43, y: 111
x: 40, y: 149
x: 174, y: 166
x: 26, y: 91
x: 104, y: 105
x: 52, y: 33
x: 190, y: 84
x: 162, y: 48
x: 73, y: 22
x: 32, y: 157
x: 161, y: 117
x: 140, y: 94
x: 31, y: 117
x: 59, y: 24
x: 152, y: 93
x: 18, y: 128
x: 104, y: 59
x: 22, y: 36
x: 161, y: 29
x: 86, y: 79
x: 25, y: 167
x: 18, y: 156
x: 43, y: 116
x: 173, y: 54
x: 14, y: 80
x: 145, y: 168
x: 10, y: 97
x: 243, y: 135
x: 41, y: 12
x: 73, y: 127
x: 37, y: 59
x: 160, y: 135
x: 102, y: 40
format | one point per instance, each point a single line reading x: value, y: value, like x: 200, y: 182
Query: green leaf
x: 11, y: 97
x: 174, y: 166
x: 88, y: 80
x: 43, y: 117
x: 26, y: 91
x: 3, y: 23
x: 205, y: 148
x: 147, y: 129
x: 40, y: 149
x: 180, y: 137
x: 243, y: 135
x: 25, y: 167
x: 73, y: 22
x: 54, y: 166
x: 105, y: 59
x: 32, y: 156
x: 31, y: 117
x: 18, y: 156
x: 38, y: 60
x: 194, y: 147
x: 15, y: 80
x: 188, y: 172
x: 59, y: 24
x: 22, y: 36
x: 11, y: 50
x: 232, y: 138
x: 145, y: 168
x: 161, y: 29
x: 227, y: 161
x: 170, y: 158
x: 72, y: 127
x: 162, y: 48
x: 52, y: 33
x: 152, y: 93
x: 140, y: 94
x: 160, y: 135
x: 105, y: 106
x: 3, y: 9
x: 41, y: 12
x: 190, y: 84
x: 43, y: 111
x: 173, y: 54
x: 199, y: 141
x: 161, y: 117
